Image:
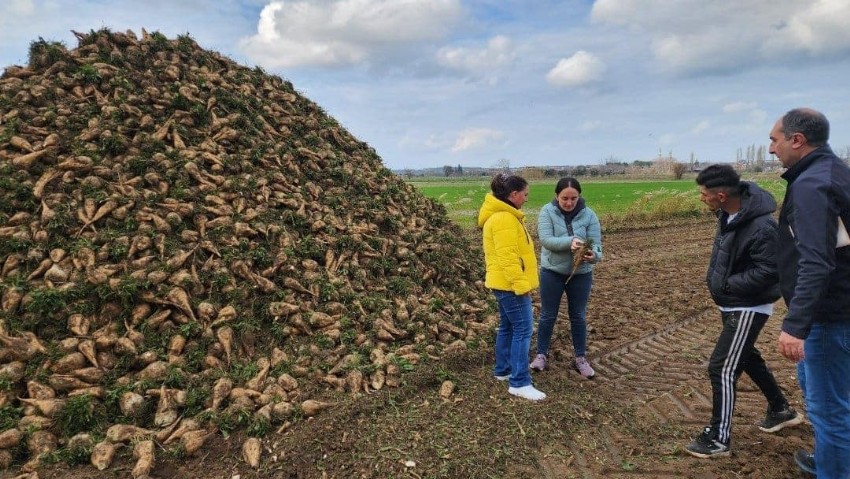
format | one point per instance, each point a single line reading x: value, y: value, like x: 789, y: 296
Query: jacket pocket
x: 557, y: 259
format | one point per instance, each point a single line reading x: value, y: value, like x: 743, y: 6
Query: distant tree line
x: 753, y: 158
x: 609, y: 167
x: 450, y: 170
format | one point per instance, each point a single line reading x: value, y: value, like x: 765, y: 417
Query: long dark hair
x: 503, y: 185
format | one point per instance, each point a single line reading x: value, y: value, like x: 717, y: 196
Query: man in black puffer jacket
x: 743, y: 280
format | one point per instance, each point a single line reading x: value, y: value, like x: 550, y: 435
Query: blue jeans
x: 552, y: 288
x: 513, y: 338
x: 826, y: 385
x: 801, y: 377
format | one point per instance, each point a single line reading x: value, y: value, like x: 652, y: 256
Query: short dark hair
x: 720, y: 175
x: 810, y: 123
x: 503, y: 185
x: 567, y: 182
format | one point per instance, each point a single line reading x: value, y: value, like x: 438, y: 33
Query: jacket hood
x: 755, y: 202
x: 493, y: 205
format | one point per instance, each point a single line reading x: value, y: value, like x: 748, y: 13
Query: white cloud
x: 20, y: 7
x: 499, y: 52
x: 17, y: 16
x: 400, y: 100
x: 342, y: 32
x: 579, y: 70
x: 756, y: 117
x: 590, y: 125
x: 472, y: 138
x: 702, y: 126
x: 738, y: 106
x: 693, y: 36
x: 431, y: 142
x: 266, y: 28
x: 816, y: 28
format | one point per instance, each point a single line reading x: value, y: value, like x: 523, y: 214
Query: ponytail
x: 503, y: 185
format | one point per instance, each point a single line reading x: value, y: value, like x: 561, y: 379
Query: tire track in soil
x: 656, y: 360
x: 642, y: 371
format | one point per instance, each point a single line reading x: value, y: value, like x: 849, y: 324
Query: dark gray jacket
x: 742, y: 271
x: 814, y: 274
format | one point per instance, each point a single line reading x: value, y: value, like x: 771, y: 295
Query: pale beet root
x: 311, y: 407
x: 251, y: 451
x: 447, y: 389
x: 10, y: 438
x: 125, y: 432
x: 143, y: 452
x: 102, y: 454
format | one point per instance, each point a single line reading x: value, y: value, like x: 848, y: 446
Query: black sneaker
x: 774, y: 421
x: 805, y: 461
x: 706, y: 445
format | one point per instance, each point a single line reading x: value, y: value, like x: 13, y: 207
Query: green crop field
x: 616, y: 202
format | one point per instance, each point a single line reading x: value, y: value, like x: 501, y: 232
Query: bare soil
x: 652, y: 328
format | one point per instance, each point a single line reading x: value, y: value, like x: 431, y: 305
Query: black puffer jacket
x: 742, y: 271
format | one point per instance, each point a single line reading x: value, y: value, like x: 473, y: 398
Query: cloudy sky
x: 535, y: 82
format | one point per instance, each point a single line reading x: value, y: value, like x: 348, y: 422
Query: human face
x: 518, y: 198
x: 786, y: 150
x: 568, y: 198
x: 712, y: 199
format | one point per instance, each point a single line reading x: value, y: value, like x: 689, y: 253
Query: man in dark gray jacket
x: 814, y: 275
x: 743, y: 281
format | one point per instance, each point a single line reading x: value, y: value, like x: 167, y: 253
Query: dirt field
x: 652, y: 330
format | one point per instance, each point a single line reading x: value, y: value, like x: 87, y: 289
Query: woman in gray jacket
x: 564, y: 225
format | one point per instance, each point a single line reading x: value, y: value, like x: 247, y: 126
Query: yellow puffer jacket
x: 508, y: 249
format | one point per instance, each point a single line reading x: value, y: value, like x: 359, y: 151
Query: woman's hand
x: 588, y: 257
x: 576, y: 244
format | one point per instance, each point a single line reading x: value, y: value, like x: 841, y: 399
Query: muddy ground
x: 652, y: 330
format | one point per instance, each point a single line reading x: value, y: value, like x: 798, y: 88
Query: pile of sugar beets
x: 190, y: 247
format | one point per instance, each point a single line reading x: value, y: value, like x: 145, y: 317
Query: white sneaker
x: 502, y: 378
x: 528, y: 392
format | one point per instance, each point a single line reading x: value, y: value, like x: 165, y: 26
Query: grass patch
x: 619, y: 205
x: 80, y: 414
x: 9, y: 417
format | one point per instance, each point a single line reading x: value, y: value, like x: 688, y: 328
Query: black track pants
x: 734, y: 353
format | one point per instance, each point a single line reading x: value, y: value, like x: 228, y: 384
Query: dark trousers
x: 734, y: 353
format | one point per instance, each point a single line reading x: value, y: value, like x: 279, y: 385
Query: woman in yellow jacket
x: 511, y: 275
